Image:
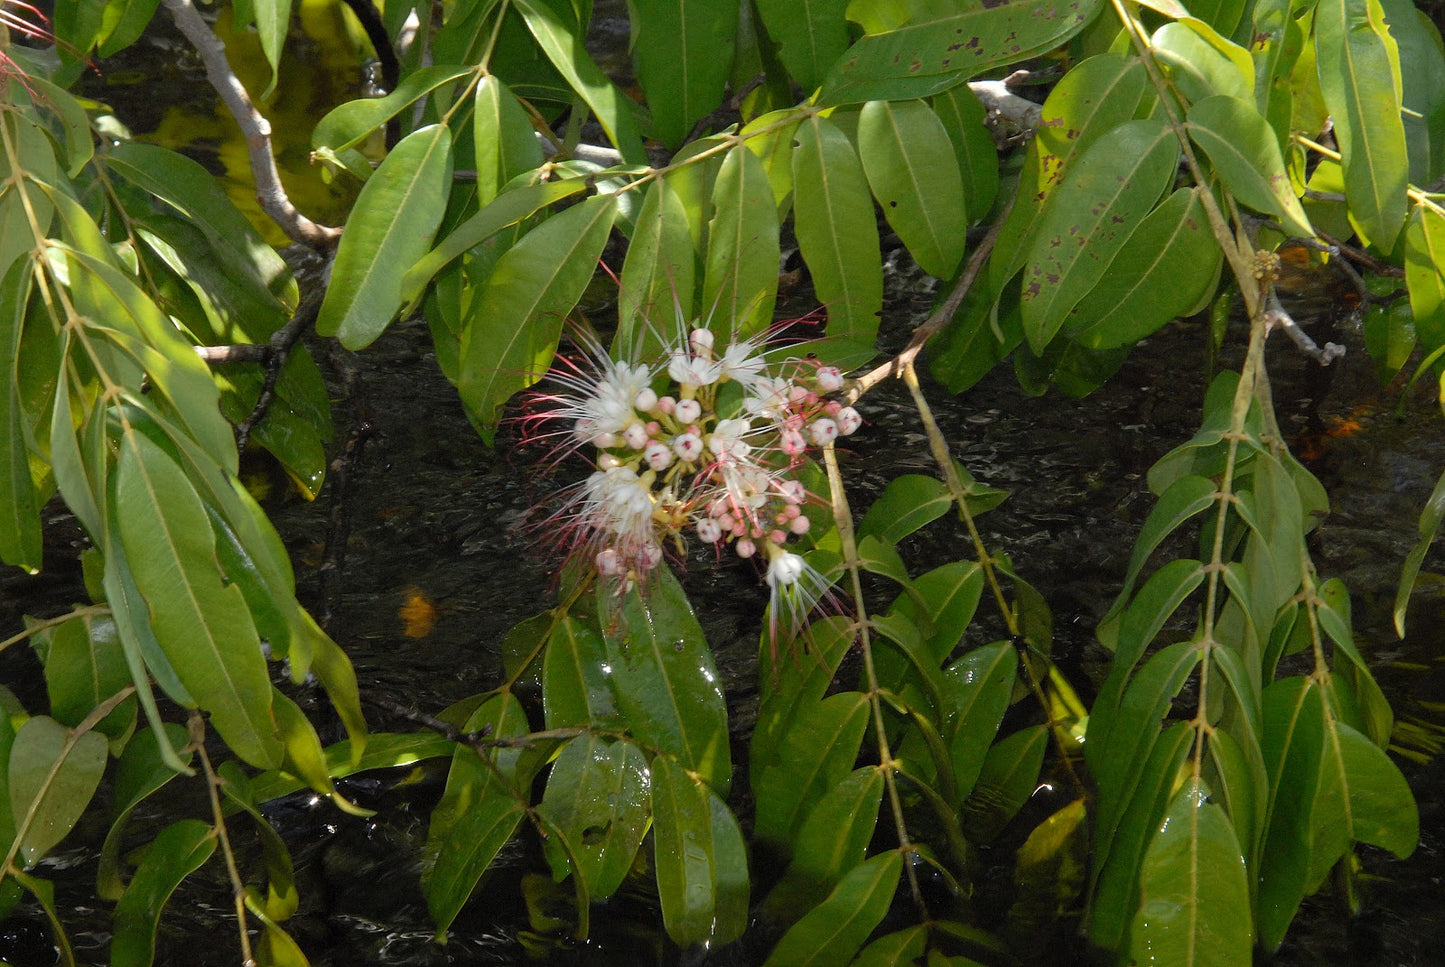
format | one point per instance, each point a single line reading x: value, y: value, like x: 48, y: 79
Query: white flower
x: 690, y: 370
x: 848, y: 421
x: 823, y: 431
x: 726, y: 440
x: 709, y: 531
x: 688, y: 447
x: 657, y: 455
x: 785, y: 568
x: 743, y: 362
x: 830, y: 379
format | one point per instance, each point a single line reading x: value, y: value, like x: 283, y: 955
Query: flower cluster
x: 705, y: 441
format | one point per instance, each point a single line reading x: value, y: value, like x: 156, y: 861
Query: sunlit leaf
x: 910, y: 165
x: 659, y: 273
x: 963, y: 117
x: 347, y: 125
x: 743, y: 254
x: 1425, y: 273
x: 84, y: 666
x: 1355, y: 50
x: 1193, y: 888
x: 926, y: 56
x: 394, y: 219
x: 504, y: 143
x: 52, y: 775
x: 516, y: 319
x: 554, y: 24
x: 1203, y: 62
x: 837, y: 230
x: 1088, y: 218
x: 1243, y: 149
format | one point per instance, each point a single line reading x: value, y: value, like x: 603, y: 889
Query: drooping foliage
x: 1234, y: 754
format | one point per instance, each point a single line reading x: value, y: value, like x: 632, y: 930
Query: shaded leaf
x: 598, y: 799
x: 176, y: 853
x: 19, y: 502
x: 682, y: 853
x: 810, y: 35
x: 659, y: 272
x: 52, y: 774
x: 1009, y: 776
x: 977, y: 689
x: 1293, y: 742
x: 503, y: 139
x: 682, y: 53
x: 814, y: 755
x: 832, y: 932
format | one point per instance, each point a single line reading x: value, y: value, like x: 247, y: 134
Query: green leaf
x: 506, y: 209
x: 881, y: 557
x: 963, y: 117
x: 20, y: 542
x: 201, y: 623
x: 682, y: 53
x: 34, y: 162
x: 554, y: 24
x: 912, y: 170
x: 798, y: 685
x: 1009, y: 776
x: 1428, y: 526
x: 730, y: 873
x: 832, y: 932
x: 909, y: 502
x: 907, y: 946
x: 775, y: 148
x: 53, y: 772
x: 576, y: 686
x: 832, y: 840
x: 176, y: 853
x: 1244, y: 151
x: 659, y: 272
x: 84, y: 666
x: 1193, y: 888
x: 1164, y: 269
x: 349, y: 124
x: 141, y: 770
x: 504, y: 142
x: 682, y: 853
x: 814, y: 755
x: 391, y: 228
x: 977, y: 688
x: 273, y: 23
x: 478, y: 812
x: 665, y: 681
x: 1184, y: 498
x: 1202, y: 62
x: 942, y: 603
x: 516, y: 318
x: 810, y: 36
x: 837, y: 230
x: 1355, y: 51
x: 743, y: 251
x: 1425, y: 275
x: 1293, y: 741
x: 925, y: 57
x: 1088, y: 218
x: 1381, y: 807
x: 598, y: 799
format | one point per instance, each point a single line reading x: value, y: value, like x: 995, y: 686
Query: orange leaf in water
x: 418, y: 614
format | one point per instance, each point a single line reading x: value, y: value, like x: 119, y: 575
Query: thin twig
x: 196, y: 726
x: 279, y: 350
x: 1275, y: 317
x: 257, y: 129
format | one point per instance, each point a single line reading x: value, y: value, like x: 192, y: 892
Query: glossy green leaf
x: 1235, y: 772
x: 1161, y: 272
x: 949, y: 596
x: 941, y: 49
x: 1184, y: 498
x: 832, y: 840
x: 1088, y: 218
x: 1355, y: 52
x: 176, y: 853
x: 349, y: 124
x: 664, y: 680
x: 201, y: 623
x: 730, y: 873
x: 576, y: 691
x: 1427, y: 527
x: 384, y: 750
x: 504, y: 143
x: 554, y: 24
x: 52, y: 774
x: 598, y: 798
x: 658, y: 274
x: 1009, y: 776
x: 814, y: 755
x: 1294, y: 721
x: 19, y: 502
x: 1381, y: 808
x: 909, y: 502
x: 516, y: 319
x: 682, y: 53
x: 833, y: 931
x: 743, y: 254
x: 1134, y: 813
x: 1244, y: 151
x: 1422, y: 76
x: 837, y: 230
x: 36, y: 158
x: 682, y: 853
x: 1051, y: 869
x: 1389, y: 338
x: 506, y: 209
x: 911, y: 167
x: 977, y: 688
x: 478, y: 812
x: 1193, y: 888
x: 811, y: 35
x: 1425, y: 274
x: 1202, y: 62
x: 394, y: 219
x: 798, y: 685
x: 907, y: 946
x: 880, y: 557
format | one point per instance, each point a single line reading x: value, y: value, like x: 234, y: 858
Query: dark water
x: 434, y: 533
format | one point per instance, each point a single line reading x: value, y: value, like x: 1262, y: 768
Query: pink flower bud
x: 658, y: 456
x: 701, y: 340
x: 746, y: 548
x: 688, y: 447
x: 848, y: 421
x: 645, y: 400
x: 823, y: 431
x: 708, y: 531
x: 800, y: 525
x: 830, y: 380
x: 635, y: 436
x: 792, y: 443
x: 687, y: 411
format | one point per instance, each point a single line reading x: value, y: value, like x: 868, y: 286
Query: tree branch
x: 269, y: 192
